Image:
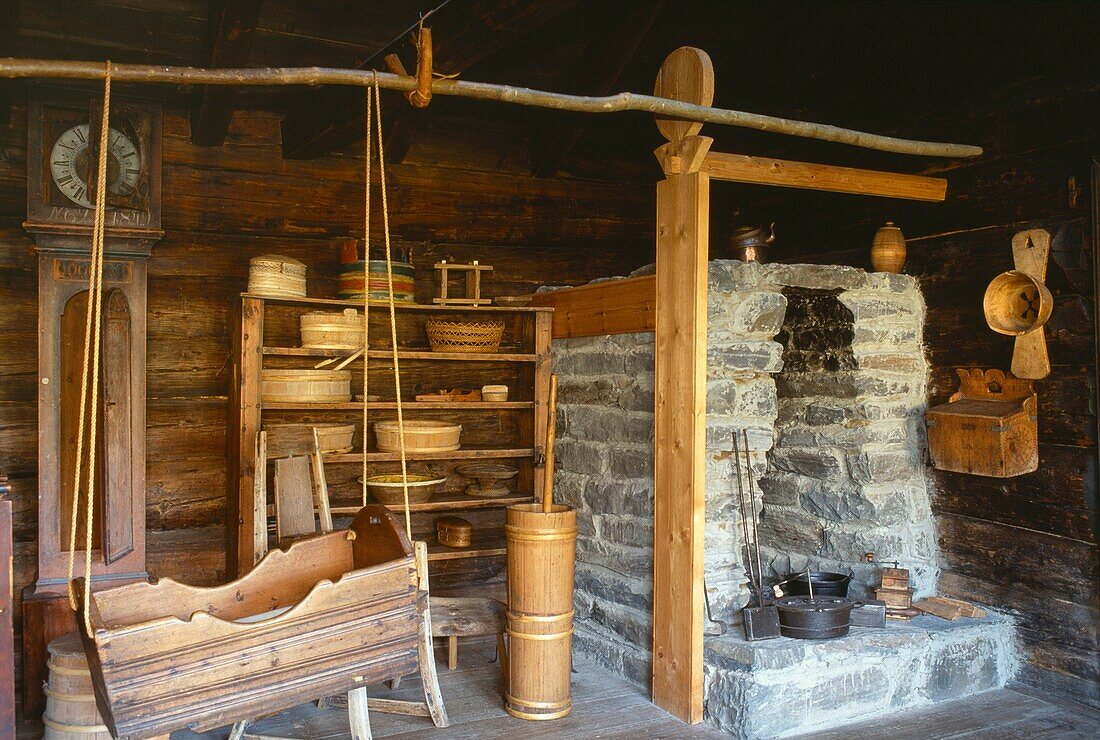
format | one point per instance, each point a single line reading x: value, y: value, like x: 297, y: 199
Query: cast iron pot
x: 825, y: 584
x: 817, y: 618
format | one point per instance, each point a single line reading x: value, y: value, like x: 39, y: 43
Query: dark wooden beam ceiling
x: 464, y: 32
x: 228, y: 41
x: 7, y: 48
x: 619, y: 32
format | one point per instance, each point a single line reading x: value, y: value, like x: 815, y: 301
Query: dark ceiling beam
x: 619, y: 33
x: 228, y: 42
x: 464, y: 32
x: 8, y: 12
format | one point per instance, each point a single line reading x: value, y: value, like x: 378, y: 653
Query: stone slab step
x: 783, y: 687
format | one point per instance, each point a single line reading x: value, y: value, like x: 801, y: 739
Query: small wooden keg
x: 454, y: 531
x: 71, y: 712
x: 888, y: 249
x: 541, y: 553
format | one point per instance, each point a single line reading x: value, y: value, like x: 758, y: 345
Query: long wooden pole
x: 663, y: 107
x: 551, y: 438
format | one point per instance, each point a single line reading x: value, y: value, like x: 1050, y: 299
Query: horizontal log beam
x: 808, y: 176
x: 625, y: 306
x: 661, y: 107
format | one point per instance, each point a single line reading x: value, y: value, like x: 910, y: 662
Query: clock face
x: 70, y: 162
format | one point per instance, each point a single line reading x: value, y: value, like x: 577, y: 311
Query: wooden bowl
x: 491, y: 479
x: 421, y: 435
x: 1016, y: 303
x: 386, y: 488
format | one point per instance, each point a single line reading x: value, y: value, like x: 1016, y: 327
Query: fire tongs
x: 761, y: 621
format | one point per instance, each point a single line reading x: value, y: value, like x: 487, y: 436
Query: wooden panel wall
x: 464, y: 194
x: 1025, y: 544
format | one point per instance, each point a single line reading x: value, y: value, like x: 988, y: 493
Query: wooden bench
x: 465, y: 616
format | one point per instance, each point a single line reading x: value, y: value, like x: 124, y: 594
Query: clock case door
x: 51, y: 113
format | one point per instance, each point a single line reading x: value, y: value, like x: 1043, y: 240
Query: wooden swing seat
x: 324, y: 616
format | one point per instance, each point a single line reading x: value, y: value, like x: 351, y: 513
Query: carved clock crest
x: 63, y: 137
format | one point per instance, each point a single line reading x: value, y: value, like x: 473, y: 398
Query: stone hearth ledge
x: 784, y: 687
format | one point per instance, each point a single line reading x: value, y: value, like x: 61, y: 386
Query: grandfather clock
x: 63, y: 138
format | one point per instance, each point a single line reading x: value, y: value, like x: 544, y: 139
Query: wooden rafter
x: 8, y: 12
x: 228, y: 42
x: 464, y: 32
x: 622, y: 27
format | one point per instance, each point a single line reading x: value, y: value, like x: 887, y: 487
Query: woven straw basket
x: 465, y: 336
x: 276, y: 275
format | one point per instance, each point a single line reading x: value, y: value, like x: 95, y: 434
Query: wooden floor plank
x: 605, y: 706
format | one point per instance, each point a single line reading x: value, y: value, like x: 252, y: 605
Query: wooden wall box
x: 988, y: 427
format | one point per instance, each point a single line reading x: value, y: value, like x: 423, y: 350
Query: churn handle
x: 551, y: 435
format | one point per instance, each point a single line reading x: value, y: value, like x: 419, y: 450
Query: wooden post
x: 244, y: 425
x: 679, y: 490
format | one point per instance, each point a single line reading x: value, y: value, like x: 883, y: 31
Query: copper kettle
x: 750, y: 243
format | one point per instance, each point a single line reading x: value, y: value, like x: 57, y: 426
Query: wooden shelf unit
x: 265, y: 332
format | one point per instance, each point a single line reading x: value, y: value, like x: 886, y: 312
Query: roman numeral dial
x: 70, y: 162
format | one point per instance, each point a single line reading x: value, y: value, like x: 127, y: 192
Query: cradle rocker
x: 328, y: 615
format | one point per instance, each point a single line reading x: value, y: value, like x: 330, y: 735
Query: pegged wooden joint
x: 422, y: 95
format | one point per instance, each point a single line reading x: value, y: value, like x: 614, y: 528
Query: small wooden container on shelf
x: 276, y: 275
x: 454, y: 531
x: 267, y: 334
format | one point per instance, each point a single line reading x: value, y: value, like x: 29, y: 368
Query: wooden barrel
x: 541, y: 551
x: 71, y: 712
x: 305, y: 386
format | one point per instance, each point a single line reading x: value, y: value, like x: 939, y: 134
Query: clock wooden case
x: 63, y: 137
x: 61, y: 154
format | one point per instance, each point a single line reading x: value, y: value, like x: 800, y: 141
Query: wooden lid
x: 455, y: 522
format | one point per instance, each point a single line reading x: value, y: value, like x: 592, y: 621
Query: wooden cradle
x: 325, y: 616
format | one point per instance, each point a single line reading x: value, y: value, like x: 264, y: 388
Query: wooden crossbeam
x: 611, y: 307
x: 764, y: 171
x: 228, y: 42
x: 464, y: 32
x: 620, y: 29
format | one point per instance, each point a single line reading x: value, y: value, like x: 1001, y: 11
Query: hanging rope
x: 393, y: 310
x: 92, y: 351
x: 366, y: 291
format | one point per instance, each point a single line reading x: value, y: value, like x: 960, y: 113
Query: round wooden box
x: 276, y: 275
x: 421, y: 435
x: 454, y: 531
x: 305, y: 386
x: 327, y: 330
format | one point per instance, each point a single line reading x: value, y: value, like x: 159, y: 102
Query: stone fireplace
x: 824, y: 367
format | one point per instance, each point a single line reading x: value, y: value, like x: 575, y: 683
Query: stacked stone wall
x: 835, y: 445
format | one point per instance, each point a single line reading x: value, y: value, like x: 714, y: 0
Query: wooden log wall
x: 462, y: 194
x: 1026, y: 544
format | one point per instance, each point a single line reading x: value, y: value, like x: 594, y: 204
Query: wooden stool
x: 461, y: 616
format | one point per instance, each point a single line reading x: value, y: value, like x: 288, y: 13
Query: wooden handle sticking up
x: 551, y: 434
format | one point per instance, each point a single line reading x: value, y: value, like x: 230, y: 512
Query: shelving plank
x: 486, y: 543
x: 399, y: 307
x: 450, y: 501
x: 383, y: 354
x: 406, y: 405
x: 467, y: 454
